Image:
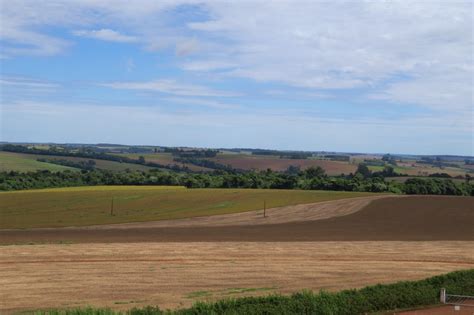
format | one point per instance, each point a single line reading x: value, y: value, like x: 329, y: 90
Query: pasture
x: 22, y: 162
x: 83, y: 206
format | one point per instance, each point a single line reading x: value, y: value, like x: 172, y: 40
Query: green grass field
x: 22, y: 162
x: 81, y: 206
x: 17, y: 162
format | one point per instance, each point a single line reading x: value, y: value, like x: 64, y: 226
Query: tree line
x: 309, y: 179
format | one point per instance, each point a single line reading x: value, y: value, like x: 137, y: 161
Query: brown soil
x: 414, y: 218
x: 276, y: 164
x: 296, y: 213
x: 122, y: 276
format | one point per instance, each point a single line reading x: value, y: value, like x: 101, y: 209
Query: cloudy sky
x: 360, y: 76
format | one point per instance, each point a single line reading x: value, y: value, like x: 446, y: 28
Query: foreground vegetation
x: 81, y: 206
x: 370, y: 299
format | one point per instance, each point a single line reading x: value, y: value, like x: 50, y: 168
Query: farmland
x: 415, y: 218
x: 417, y: 169
x: 163, y: 158
x: 122, y: 246
x: 122, y: 276
x: 198, y: 160
x: 275, y: 163
x: 91, y: 205
x: 314, y: 240
x: 22, y: 162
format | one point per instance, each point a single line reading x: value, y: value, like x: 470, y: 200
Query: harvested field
x: 170, y: 275
x: 261, y: 163
x: 413, y: 218
x: 82, y: 206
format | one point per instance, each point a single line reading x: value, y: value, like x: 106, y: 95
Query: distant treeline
x: 300, y: 155
x: 379, y: 298
x: 309, y: 179
x: 192, y: 153
x: 206, y: 163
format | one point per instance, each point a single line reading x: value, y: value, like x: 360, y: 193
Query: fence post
x: 442, y: 296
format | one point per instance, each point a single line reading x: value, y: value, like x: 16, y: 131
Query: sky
x: 346, y: 76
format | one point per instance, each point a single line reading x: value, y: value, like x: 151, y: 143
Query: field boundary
x: 288, y: 214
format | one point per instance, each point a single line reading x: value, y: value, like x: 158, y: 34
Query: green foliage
x: 310, y: 179
x: 370, y: 299
x: 363, y: 170
x: 436, y: 186
x: 203, y: 163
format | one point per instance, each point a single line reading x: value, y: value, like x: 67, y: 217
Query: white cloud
x: 345, y: 45
x: 27, y: 83
x: 107, y: 35
x: 423, y: 49
x: 169, y: 87
x: 207, y: 65
x: 186, y: 47
x: 23, y: 23
x: 201, y: 102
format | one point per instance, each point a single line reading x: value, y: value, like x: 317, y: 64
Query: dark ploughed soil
x: 416, y: 218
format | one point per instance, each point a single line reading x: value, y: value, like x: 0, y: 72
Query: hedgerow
x: 370, y: 299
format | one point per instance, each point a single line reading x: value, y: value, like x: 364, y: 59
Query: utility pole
x: 112, y: 207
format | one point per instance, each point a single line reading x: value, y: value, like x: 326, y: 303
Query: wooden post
x: 112, y: 207
x: 442, y: 296
x: 264, y: 209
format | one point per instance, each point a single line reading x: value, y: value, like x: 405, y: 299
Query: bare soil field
x: 411, y: 218
x: 261, y: 163
x: 171, y: 275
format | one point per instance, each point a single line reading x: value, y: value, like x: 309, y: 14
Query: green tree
x: 363, y: 170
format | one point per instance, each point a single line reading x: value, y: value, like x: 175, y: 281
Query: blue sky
x: 360, y: 76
